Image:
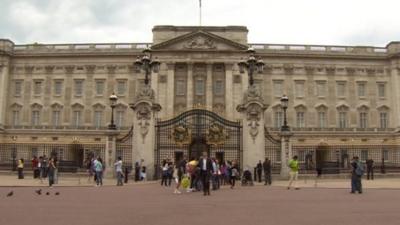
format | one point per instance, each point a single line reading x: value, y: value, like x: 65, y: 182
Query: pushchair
x: 247, y: 179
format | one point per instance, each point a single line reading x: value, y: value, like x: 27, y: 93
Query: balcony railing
x: 100, y: 47
x: 48, y: 127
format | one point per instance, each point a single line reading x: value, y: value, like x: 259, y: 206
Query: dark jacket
x: 209, y: 166
x: 267, y: 166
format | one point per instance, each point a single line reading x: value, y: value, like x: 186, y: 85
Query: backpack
x: 359, y: 169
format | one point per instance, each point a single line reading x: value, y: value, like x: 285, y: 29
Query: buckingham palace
x: 200, y: 88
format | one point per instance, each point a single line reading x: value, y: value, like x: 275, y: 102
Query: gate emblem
x: 216, y: 135
x: 181, y: 135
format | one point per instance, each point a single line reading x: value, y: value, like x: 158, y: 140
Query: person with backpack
x: 356, y: 174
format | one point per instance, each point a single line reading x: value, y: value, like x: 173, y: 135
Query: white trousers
x: 293, y: 179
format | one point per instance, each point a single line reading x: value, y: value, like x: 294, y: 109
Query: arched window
x: 363, y: 117
x: 342, y: 116
x: 322, y: 112
x: 300, y: 116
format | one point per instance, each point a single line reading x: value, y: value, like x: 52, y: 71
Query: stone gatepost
x: 252, y: 110
x: 144, y: 120
x: 286, y: 152
x: 110, y: 153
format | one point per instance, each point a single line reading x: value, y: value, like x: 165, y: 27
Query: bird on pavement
x: 39, y: 192
x: 10, y: 194
x: 47, y: 193
x: 57, y: 193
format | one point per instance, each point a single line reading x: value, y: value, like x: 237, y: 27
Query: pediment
x: 200, y: 41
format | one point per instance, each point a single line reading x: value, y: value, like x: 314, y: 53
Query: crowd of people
x: 43, y: 168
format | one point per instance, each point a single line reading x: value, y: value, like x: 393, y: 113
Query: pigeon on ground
x: 10, y: 194
x: 39, y: 192
x: 57, y: 193
x: 47, y: 193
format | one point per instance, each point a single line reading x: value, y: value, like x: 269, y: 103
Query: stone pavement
x: 10, y: 180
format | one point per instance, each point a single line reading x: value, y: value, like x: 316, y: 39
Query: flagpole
x: 200, y: 12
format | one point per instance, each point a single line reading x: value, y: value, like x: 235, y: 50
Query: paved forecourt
x: 152, y: 204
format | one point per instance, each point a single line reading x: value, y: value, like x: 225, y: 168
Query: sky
x: 333, y: 22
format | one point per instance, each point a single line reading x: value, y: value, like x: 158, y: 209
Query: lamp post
x: 113, y: 102
x: 146, y: 63
x: 251, y: 65
x: 14, y: 154
x: 285, y: 103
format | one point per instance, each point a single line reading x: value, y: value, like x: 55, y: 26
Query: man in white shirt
x: 118, y: 170
x: 205, y: 165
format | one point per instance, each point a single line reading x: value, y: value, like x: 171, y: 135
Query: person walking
x: 20, y: 168
x: 356, y: 174
x: 118, y: 170
x: 234, y: 173
x: 370, y: 169
x: 180, y: 171
x: 205, y: 166
x: 259, y: 169
x: 293, y: 172
x: 267, y: 171
x: 35, y: 167
x: 98, y: 168
x: 51, y: 171
x: 164, y: 173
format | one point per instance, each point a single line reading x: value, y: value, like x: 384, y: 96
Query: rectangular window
x: 219, y: 87
x: 299, y: 88
x: 342, y: 119
x: 56, y: 118
x: 15, y: 118
x: 321, y: 119
x: 361, y: 86
x: 119, y: 118
x: 58, y: 87
x: 78, y: 88
x: 385, y: 154
x: 76, y: 118
x: 121, y: 87
x: 321, y: 88
x: 381, y: 90
x: 383, y: 118
x: 17, y: 88
x: 278, y: 88
x: 37, y: 87
x: 300, y: 119
x: 180, y: 87
x: 199, y: 88
x: 98, y: 115
x: 99, y: 87
x: 35, y: 118
x: 364, y: 155
x: 363, y: 120
x: 278, y: 119
x: 341, y: 89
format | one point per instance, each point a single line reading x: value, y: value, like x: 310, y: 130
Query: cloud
x: 340, y: 22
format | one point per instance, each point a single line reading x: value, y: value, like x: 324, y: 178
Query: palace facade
x: 343, y: 100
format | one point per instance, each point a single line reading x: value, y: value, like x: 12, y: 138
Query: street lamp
x: 14, y: 153
x: 251, y: 65
x: 146, y: 63
x: 113, y: 102
x: 285, y: 103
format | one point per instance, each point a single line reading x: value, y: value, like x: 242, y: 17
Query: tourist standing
x: 180, y: 171
x: 20, y: 168
x: 51, y: 171
x: 222, y: 172
x: 267, y: 171
x: 370, y: 169
x: 259, y: 171
x: 234, y: 173
x: 98, y: 168
x: 293, y: 172
x: 43, y: 167
x: 118, y: 170
x: 35, y: 167
x: 170, y: 172
x: 356, y: 174
x: 164, y: 173
x: 205, y: 166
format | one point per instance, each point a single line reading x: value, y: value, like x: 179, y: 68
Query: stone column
x: 252, y: 110
x: 6, y: 49
x: 110, y: 153
x: 209, y: 89
x: 170, y: 89
x: 154, y: 84
x: 286, y: 152
x: 229, y: 90
x: 145, y: 110
x: 189, y: 88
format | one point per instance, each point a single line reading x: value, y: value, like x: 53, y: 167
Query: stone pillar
x: 209, y: 89
x: 170, y: 89
x: 145, y: 110
x: 252, y: 110
x: 110, y: 153
x: 6, y: 49
x: 154, y: 84
x: 189, y: 87
x: 229, y: 90
x: 286, y: 152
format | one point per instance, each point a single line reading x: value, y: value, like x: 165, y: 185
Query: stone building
x: 343, y: 100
